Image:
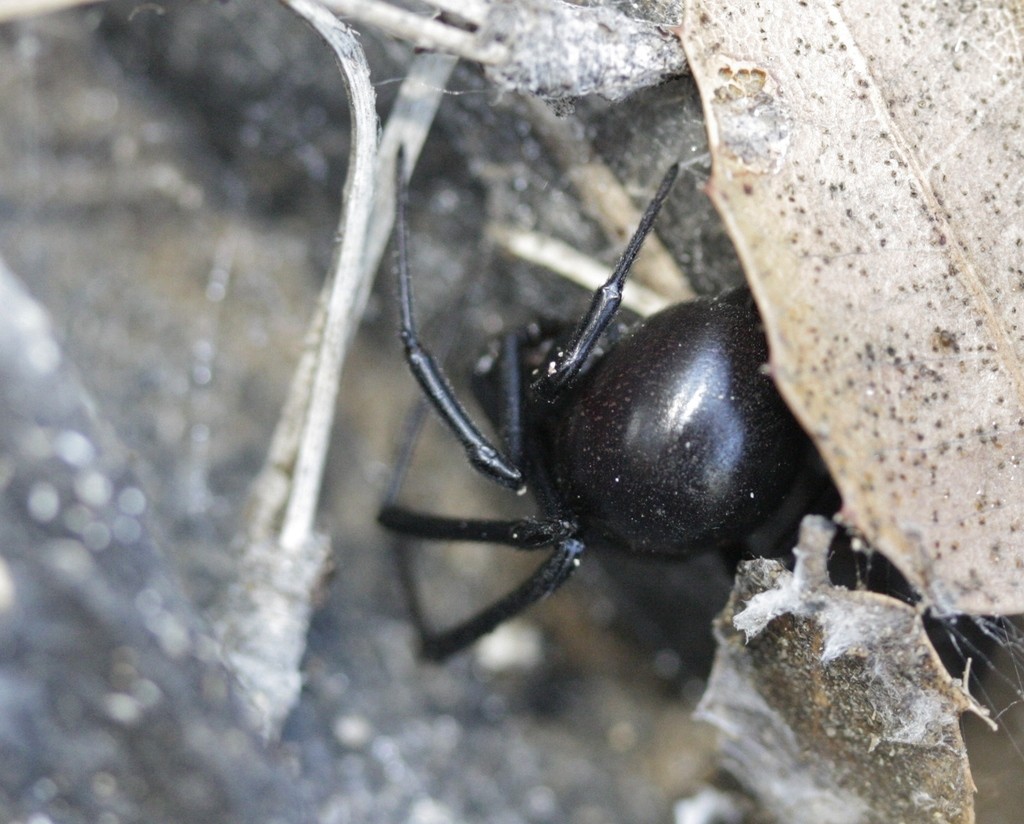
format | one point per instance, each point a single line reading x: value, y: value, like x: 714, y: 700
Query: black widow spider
x: 672, y: 442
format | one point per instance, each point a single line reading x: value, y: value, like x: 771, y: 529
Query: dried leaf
x: 835, y: 706
x: 867, y: 163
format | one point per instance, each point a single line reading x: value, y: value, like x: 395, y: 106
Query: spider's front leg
x: 565, y: 366
x: 482, y: 454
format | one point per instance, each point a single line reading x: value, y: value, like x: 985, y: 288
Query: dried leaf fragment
x: 548, y: 48
x: 867, y: 164
x: 834, y: 705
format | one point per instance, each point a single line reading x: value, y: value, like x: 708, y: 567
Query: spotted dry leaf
x: 869, y: 165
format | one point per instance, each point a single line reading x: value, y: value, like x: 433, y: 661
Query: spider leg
x: 481, y: 453
x: 510, y: 415
x: 566, y: 364
x: 523, y: 533
x: 547, y: 578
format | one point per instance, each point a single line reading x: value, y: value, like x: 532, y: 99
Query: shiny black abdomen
x: 676, y: 440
